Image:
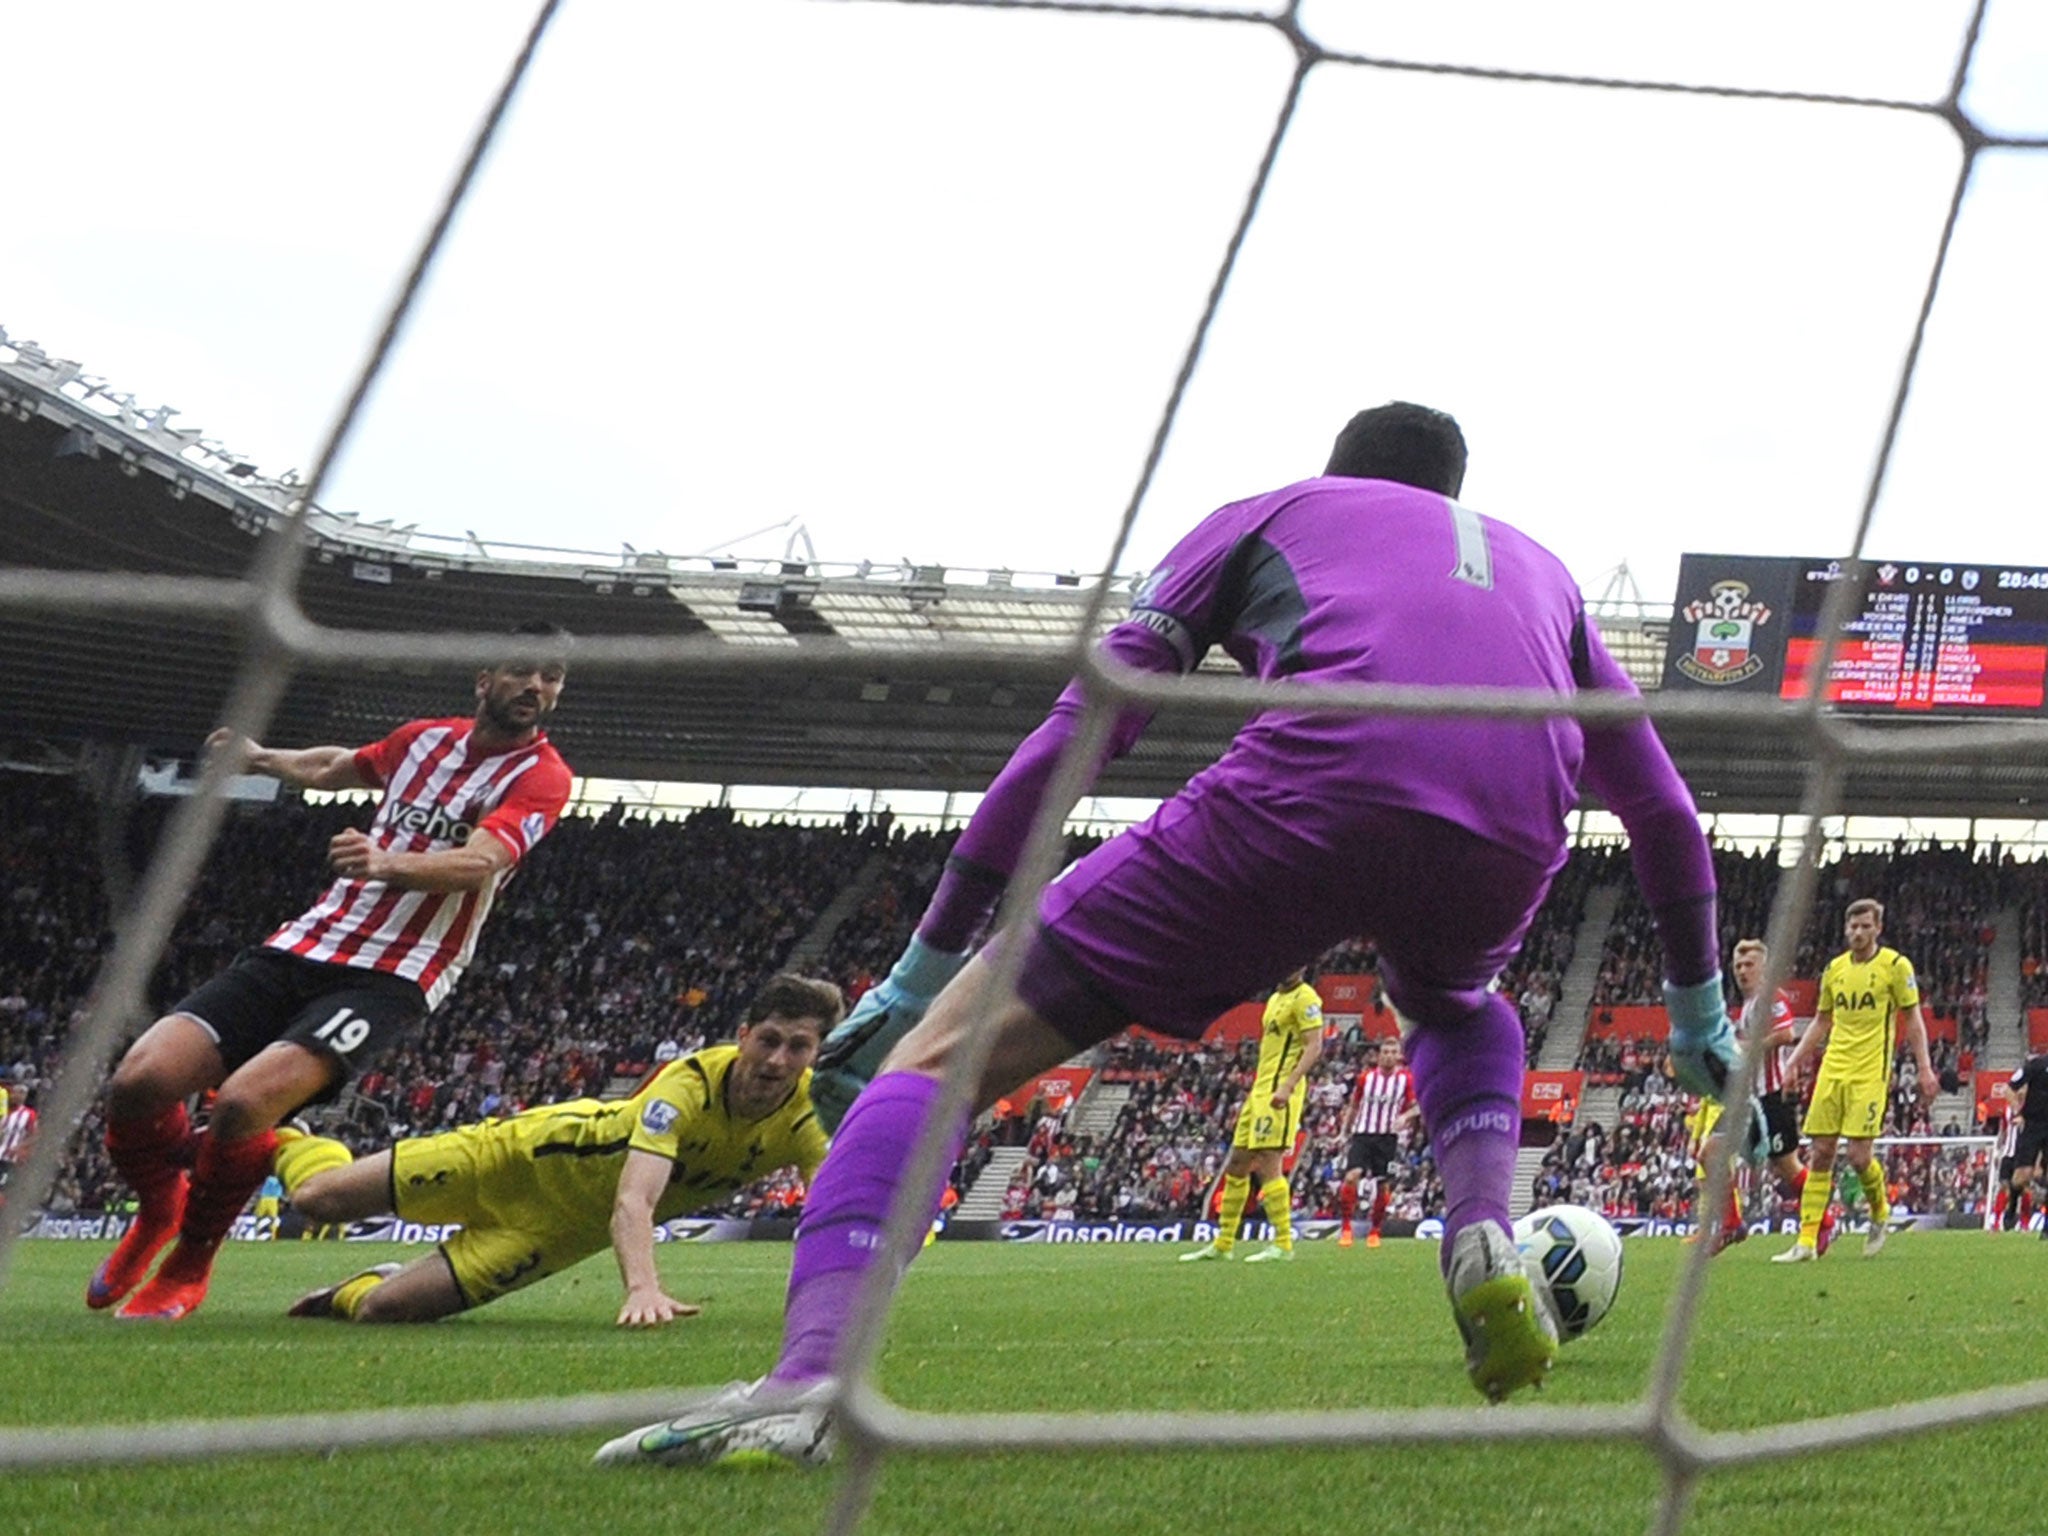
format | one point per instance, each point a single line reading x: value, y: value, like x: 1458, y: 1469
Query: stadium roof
x: 92, y: 481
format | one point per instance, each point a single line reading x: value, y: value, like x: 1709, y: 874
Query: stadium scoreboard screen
x: 1927, y: 638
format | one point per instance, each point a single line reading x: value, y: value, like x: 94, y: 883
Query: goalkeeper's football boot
x: 1510, y: 1336
x: 125, y: 1268
x: 1272, y: 1253
x: 176, y: 1289
x: 757, y: 1423
x: 1205, y: 1253
x: 320, y: 1303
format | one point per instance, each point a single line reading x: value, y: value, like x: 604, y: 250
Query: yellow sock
x: 1813, y: 1205
x: 1278, y: 1200
x: 350, y: 1296
x: 1235, y: 1193
x: 1872, y: 1175
x: 298, y: 1158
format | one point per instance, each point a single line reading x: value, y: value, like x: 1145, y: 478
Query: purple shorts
x: 1223, y: 892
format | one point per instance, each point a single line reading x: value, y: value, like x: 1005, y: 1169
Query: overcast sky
x: 921, y: 276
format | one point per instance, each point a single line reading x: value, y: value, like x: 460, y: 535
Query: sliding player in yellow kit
x: 540, y: 1191
x: 1290, y: 1043
x: 1864, y: 992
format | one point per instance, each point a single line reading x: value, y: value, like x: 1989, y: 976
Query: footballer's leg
x: 1870, y: 1174
x: 1275, y: 1196
x: 1817, y: 1191
x: 341, y: 1190
x: 849, y: 1201
x: 419, y: 1292
x: 1468, y: 1079
x: 234, y: 1158
x: 1449, y: 910
x: 301, y: 1157
x: 147, y: 1132
x: 1235, y: 1194
x: 1347, y: 1205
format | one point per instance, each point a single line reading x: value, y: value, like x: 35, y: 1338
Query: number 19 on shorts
x: 343, y: 1032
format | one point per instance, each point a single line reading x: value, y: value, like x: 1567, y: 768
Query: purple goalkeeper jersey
x: 1340, y: 580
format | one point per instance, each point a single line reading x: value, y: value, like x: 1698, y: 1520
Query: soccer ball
x: 1574, y: 1256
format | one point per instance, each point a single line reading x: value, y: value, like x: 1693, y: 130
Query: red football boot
x: 126, y: 1266
x: 176, y: 1289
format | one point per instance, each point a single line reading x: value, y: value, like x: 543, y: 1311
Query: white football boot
x: 746, y: 1422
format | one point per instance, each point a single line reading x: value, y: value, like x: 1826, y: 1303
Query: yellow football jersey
x: 576, y: 1150
x: 1865, y: 999
x: 1291, y: 1020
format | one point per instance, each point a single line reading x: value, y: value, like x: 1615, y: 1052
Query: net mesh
x: 282, y: 640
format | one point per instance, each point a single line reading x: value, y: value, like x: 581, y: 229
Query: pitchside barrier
x: 280, y: 639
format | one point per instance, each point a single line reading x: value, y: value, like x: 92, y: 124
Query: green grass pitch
x: 992, y: 1326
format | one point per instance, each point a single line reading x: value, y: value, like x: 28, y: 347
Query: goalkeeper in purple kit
x: 1437, y: 837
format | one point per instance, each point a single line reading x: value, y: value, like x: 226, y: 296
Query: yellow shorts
x: 266, y: 1208
x: 1699, y: 1125
x: 1701, y: 1121
x: 509, y: 1239
x: 1262, y: 1128
x: 1842, y: 1107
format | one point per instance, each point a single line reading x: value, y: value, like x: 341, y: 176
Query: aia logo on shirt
x: 1846, y: 1000
x: 432, y: 823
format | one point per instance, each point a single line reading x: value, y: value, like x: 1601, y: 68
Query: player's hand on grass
x: 355, y: 856
x: 855, y: 1050
x: 650, y: 1309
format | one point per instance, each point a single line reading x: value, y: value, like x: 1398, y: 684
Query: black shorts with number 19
x: 349, y: 1012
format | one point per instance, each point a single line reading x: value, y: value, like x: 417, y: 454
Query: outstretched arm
x: 641, y: 1182
x: 303, y: 768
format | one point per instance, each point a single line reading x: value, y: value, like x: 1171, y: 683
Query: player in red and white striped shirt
x: 1382, y: 1106
x: 295, y: 1017
x: 1774, y: 1094
x: 17, y: 1131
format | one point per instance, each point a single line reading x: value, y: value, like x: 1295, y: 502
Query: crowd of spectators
x: 627, y: 940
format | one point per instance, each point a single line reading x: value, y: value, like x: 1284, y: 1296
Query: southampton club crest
x: 1722, y: 649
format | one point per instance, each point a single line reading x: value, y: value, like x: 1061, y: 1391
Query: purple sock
x: 844, y: 1213
x: 1468, y: 1080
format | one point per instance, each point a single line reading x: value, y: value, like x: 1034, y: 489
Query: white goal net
x: 282, y: 640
